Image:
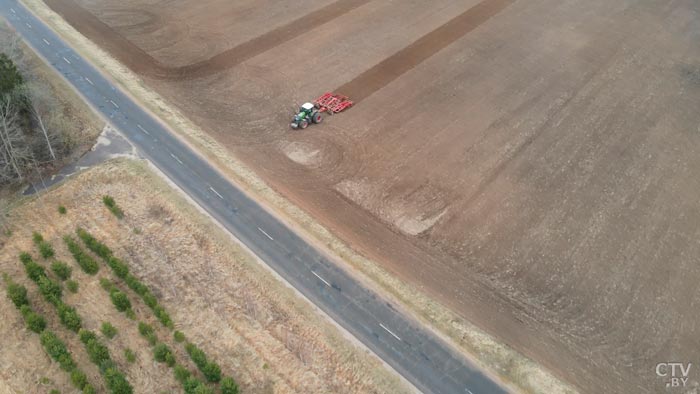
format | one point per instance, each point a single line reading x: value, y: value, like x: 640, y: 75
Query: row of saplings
x: 52, y: 291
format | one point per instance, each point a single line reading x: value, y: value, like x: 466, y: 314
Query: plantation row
x: 162, y: 353
x: 54, y: 347
x: 115, y: 380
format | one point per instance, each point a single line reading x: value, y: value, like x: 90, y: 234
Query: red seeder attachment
x: 333, y: 103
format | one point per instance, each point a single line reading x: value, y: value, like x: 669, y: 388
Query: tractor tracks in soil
x: 391, y: 68
x: 359, y: 88
x: 142, y: 63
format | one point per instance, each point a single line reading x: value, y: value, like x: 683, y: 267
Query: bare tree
x: 39, y: 103
x: 14, y: 148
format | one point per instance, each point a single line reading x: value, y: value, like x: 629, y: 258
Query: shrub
x: 50, y: 290
x: 129, y: 355
x: 69, y: 317
x: 130, y: 314
x: 109, y: 201
x: 55, y: 391
x: 118, y: 267
x: 72, y: 286
x: 57, y: 350
x: 203, y: 389
x: 87, y: 263
x: 191, y: 385
x: 181, y: 373
x: 147, y: 332
x: 93, y: 244
x: 108, y: 330
x: 229, y: 386
x: 212, y: 372
x: 162, y: 353
x: 196, y: 354
x: 25, y: 309
x: 113, y: 207
x: 78, y: 378
x: 97, y: 351
x: 61, y: 269
x: 34, y: 321
x: 17, y: 294
x: 120, y: 300
x: 106, y: 284
x: 150, y: 300
x: 163, y: 316
x: 62, y: 210
x: 179, y: 337
x: 86, y: 335
x: 116, y: 382
x: 135, y: 285
x: 34, y: 270
x: 88, y: 389
x: 25, y: 257
x: 46, y: 250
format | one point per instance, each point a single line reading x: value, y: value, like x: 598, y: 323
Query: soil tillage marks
x: 391, y: 68
x: 142, y: 63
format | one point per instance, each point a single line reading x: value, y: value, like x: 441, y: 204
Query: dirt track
x: 530, y: 164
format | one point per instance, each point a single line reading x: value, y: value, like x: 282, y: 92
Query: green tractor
x: 308, y: 113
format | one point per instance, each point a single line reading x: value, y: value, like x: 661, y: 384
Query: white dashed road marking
x: 89, y: 81
x: 142, y: 129
x: 389, y: 331
x: 46, y: 42
x: 28, y: 25
x: 321, y: 279
x: 66, y: 60
x: 13, y: 10
x: 266, y: 234
x: 176, y: 158
x: 215, y: 192
x: 114, y: 104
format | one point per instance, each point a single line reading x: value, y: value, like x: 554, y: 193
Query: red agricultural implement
x: 311, y: 112
x: 333, y: 103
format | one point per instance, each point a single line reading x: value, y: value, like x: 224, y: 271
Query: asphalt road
x: 421, y: 357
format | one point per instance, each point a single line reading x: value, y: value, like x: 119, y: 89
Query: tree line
x: 31, y: 132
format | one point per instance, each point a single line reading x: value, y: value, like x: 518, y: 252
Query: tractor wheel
x: 316, y: 117
x: 294, y: 126
x: 304, y: 124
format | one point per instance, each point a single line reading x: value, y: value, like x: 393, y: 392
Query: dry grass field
x: 258, y: 330
x: 530, y: 164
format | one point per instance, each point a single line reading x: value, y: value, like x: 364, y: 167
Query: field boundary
x: 520, y: 372
x: 143, y: 63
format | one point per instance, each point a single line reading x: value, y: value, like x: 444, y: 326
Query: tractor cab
x: 307, y: 108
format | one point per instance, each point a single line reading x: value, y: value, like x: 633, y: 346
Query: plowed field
x: 531, y: 164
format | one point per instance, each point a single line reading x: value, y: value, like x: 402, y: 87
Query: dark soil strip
x: 141, y: 62
x: 406, y: 59
x: 100, y: 33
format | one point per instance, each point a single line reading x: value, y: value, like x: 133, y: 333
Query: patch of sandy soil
x: 258, y: 329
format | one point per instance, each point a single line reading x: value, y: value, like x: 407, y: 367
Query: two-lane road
x: 421, y: 357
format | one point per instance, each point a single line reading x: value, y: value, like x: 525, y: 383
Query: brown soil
x: 530, y: 164
x: 256, y: 328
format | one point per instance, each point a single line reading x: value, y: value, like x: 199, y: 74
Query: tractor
x: 308, y: 113
x: 311, y: 112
